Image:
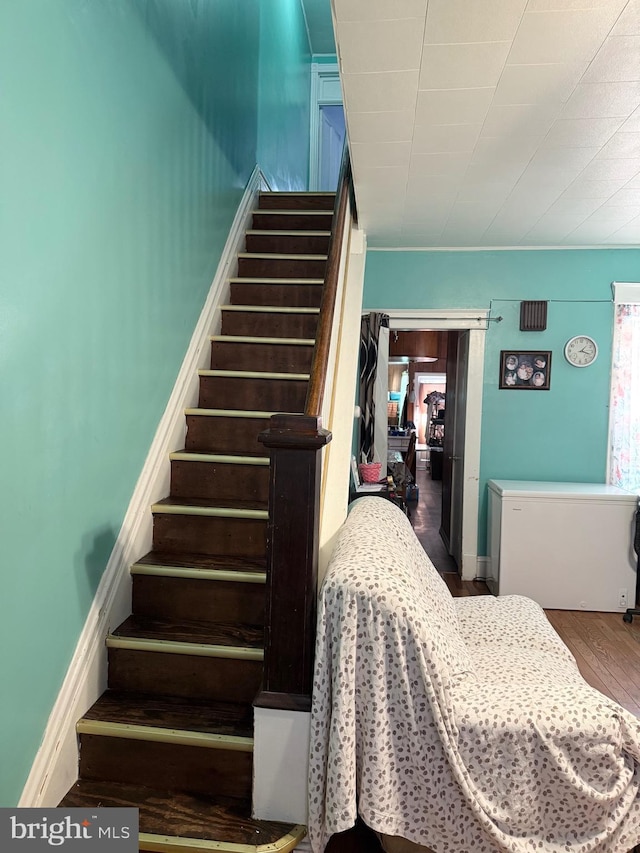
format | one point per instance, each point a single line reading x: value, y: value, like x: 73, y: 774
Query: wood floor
x: 607, y: 650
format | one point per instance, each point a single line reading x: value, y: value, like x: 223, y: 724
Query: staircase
x: 172, y: 735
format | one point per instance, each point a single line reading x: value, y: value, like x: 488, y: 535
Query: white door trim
x: 476, y: 321
x: 325, y: 89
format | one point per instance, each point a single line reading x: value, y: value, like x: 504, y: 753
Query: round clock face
x: 581, y: 351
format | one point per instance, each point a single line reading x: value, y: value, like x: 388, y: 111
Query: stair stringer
x: 55, y: 767
x: 281, y: 737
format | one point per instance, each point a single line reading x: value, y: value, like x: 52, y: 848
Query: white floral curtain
x: 624, y: 449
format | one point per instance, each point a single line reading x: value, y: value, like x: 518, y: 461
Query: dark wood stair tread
x: 207, y: 633
x: 170, y: 712
x: 227, y: 503
x: 180, y: 815
x: 205, y: 562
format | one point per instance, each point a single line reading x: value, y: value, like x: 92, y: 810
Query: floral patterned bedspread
x: 460, y: 724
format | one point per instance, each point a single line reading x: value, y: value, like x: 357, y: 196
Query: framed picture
x: 528, y: 369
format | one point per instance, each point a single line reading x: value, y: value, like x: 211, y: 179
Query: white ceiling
x: 493, y: 122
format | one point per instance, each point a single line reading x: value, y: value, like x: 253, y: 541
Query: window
x: 624, y: 430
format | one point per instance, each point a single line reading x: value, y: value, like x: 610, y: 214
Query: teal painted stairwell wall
x: 129, y: 130
x: 560, y: 434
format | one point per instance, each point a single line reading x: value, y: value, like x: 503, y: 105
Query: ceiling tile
x: 510, y: 225
x: 552, y: 228
x: 367, y: 46
x: 582, y: 132
x: 452, y: 163
x: 479, y: 187
x: 621, y: 146
x: 625, y: 197
x: 584, y: 189
x: 461, y: 237
x: 380, y: 180
x: 469, y: 214
x: 378, y: 10
x: 632, y: 124
x: 424, y: 185
x: 628, y: 24
x: 629, y: 233
x: 529, y: 119
x: 469, y: 141
x: 445, y: 137
x: 505, y: 233
x: 601, y: 100
x: 618, y: 216
x: 420, y: 237
x: 612, y: 170
x: 450, y: 106
x: 550, y: 5
x: 588, y: 234
x: 542, y: 36
x: 530, y: 200
x: 564, y: 159
x: 378, y: 155
x: 425, y: 213
x: 617, y: 60
x: 381, y: 127
x: 566, y: 205
x: 462, y: 66
x: 374, y: 92
x: 504, y: 153
x: 384, y: 240
x: 455, y: 21
x: 550, y: 83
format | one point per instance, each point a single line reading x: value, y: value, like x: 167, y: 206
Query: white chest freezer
x: 569, y: 546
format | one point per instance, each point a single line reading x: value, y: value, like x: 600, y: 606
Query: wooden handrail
x: 295, y: 443
x: 318, y: 375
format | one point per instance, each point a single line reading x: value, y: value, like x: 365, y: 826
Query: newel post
x: 295, y: 444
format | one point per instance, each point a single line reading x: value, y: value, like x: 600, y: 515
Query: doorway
x: 417, y: 403
x: 331, y: 142
x: 465, y: 366
x: 327, y: 127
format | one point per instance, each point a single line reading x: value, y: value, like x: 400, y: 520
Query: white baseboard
x: 482, y: 565
x: 55, y: 767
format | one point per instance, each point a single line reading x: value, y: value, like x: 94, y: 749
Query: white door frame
x: 476, y: 320
x: 325, y: 90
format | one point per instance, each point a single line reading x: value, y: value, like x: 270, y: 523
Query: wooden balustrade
x: 295, y: 444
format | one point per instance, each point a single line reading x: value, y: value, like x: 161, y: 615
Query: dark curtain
x: 369, y: 334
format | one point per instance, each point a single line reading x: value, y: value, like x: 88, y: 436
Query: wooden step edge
x: 211, y: 511
x: 249, y: 339
x: 254, y: 374
x: 269, y: 309
x: 156, y: 734
x: 266, y: 280
x: 186, y: 456
x: 273, y: 232
x: 176, y: 647
x: 312, y: 210
x: 234, y: 413
x: 298, y: 193
x: 281, y: 256
x: 170, y: 844
x: 198, y: 574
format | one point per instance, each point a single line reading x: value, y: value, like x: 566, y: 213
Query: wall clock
x: 581, y: 351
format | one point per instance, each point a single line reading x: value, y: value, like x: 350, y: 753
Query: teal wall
x: 285, y: 86
x: 559, y: 434
x: 129, y: 129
